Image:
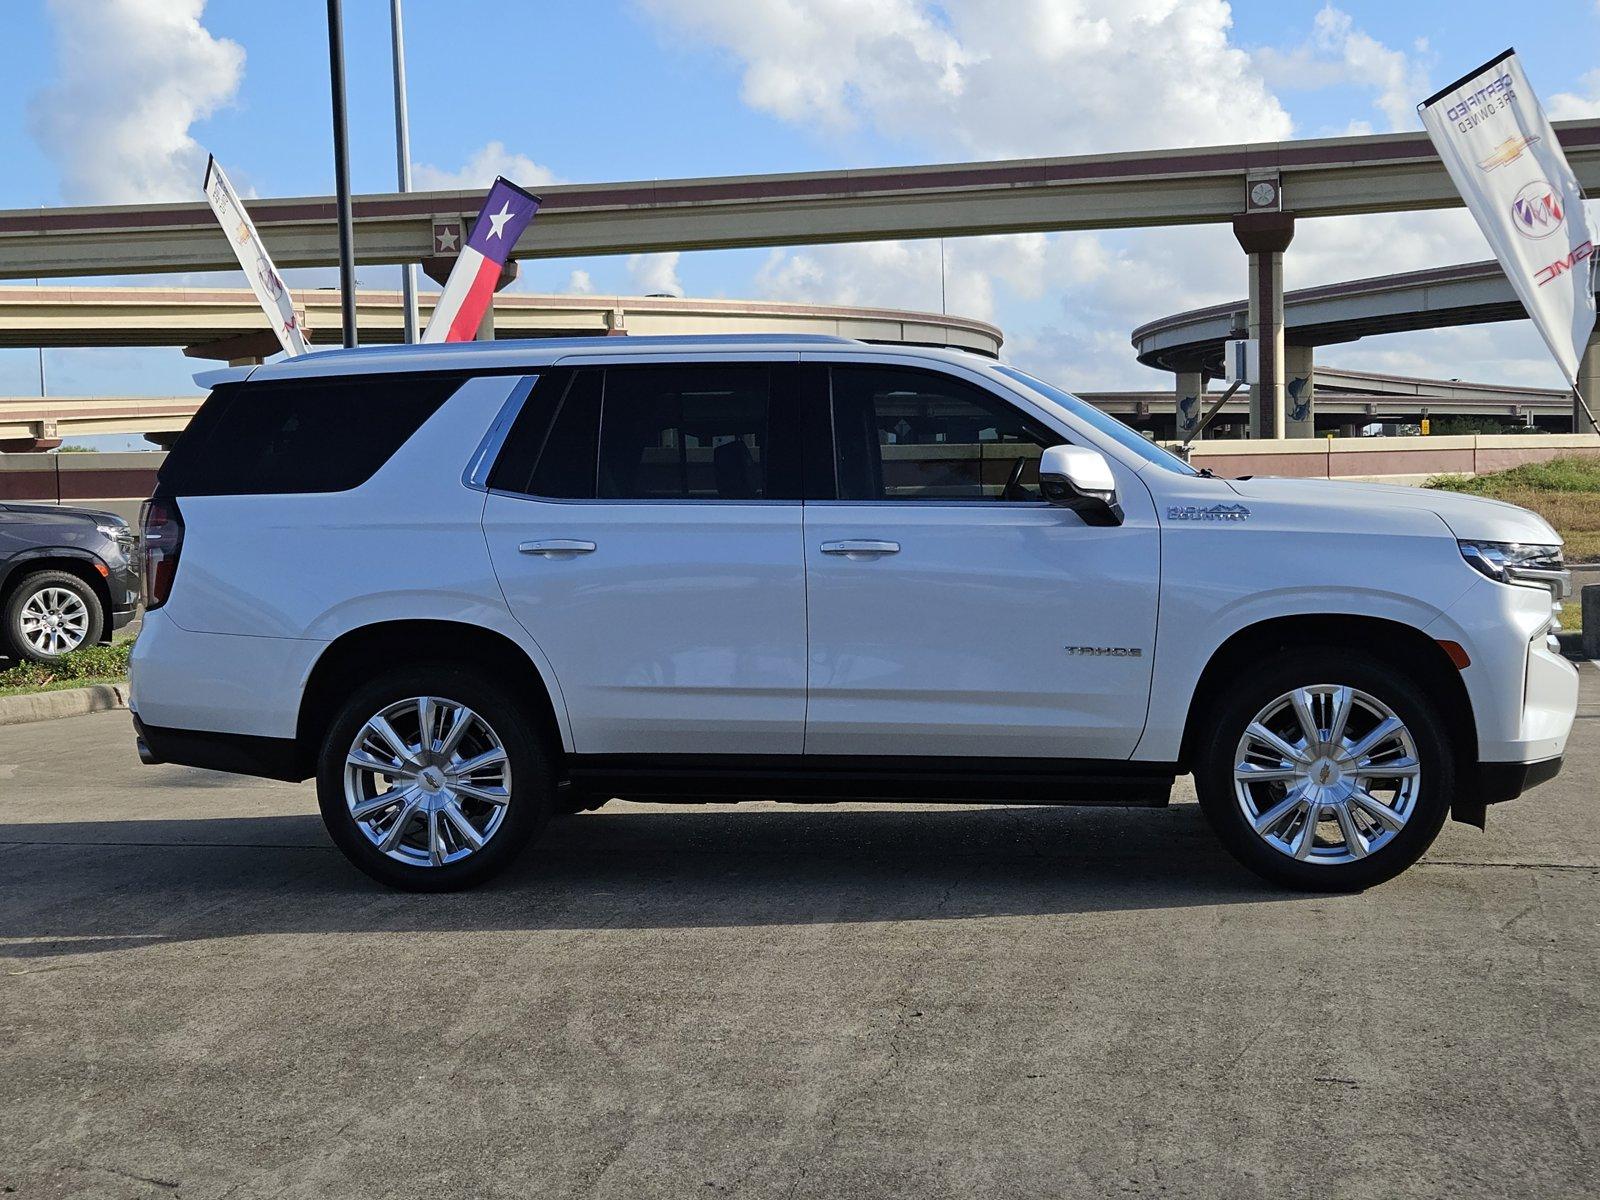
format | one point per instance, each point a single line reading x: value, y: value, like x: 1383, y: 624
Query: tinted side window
x: 566, y: 467
x: 918, y: 435
x: 684, y: 433
x: 324, y: 435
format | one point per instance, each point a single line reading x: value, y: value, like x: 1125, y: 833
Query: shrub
x: 1558, y: 475
x: 91, y: 662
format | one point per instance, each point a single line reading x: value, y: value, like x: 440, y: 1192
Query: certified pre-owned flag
x: 506, y: 213
x: 1505, y: 160
x: 275, y: 299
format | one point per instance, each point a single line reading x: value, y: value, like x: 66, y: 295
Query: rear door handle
x: 861, y: 548
x: 556, y: 547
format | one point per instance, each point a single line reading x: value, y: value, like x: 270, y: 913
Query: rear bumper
x: 238, y: 753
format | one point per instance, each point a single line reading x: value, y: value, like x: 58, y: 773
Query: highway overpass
x: 1190, y: 344
x: 227, y: 322
x: 1315, y: 178
x: 1468, y: 294
x: 1260, y: 188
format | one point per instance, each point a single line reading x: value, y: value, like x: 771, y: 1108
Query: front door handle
x: 861, y: 549
x: 556, y: 547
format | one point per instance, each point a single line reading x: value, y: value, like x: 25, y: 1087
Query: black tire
x: 1391, y: 686
x: 11, y: 635
x: 532, y: 785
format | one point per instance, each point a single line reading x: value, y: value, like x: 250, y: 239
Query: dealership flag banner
x: 1503, y: 155
x: 507, y: 211
x: 252, y: 255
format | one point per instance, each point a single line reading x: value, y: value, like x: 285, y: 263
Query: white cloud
x: 991, y: 78
x: 133, y: 77
x: 1338, y: 53
x: 579, y: 281
x: 655, y: 274
x: 480, y: 170
x: 995, y: 78
x: 1571, y: 106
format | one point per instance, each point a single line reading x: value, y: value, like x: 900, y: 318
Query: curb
x: 68, y: 702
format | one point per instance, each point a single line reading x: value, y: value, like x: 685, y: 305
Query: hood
x: 62, y: 510
x: 1471, y: 518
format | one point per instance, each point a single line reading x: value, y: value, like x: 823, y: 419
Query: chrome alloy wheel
x: 427, y: 781
x: 55, y: 620
x: 1326, y: 774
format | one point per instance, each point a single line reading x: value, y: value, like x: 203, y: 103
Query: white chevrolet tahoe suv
x: 468, y: 587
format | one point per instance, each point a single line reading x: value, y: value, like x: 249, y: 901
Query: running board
x: 693, y: 778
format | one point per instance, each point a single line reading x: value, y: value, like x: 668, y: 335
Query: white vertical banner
x: 1503, y: 155
x: 269, y: 288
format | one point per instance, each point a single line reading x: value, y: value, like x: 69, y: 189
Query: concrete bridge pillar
x: 1264, y: 236
x: 1190, y: 398
x: 1588, y: 385
x: 1299, y: 392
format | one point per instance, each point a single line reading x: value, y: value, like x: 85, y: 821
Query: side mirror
x: 1078, y: 478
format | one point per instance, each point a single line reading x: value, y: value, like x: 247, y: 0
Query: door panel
x: 654, y: 554
x: 957, y: 643
x: 683, y: 631
x: 950, y: 611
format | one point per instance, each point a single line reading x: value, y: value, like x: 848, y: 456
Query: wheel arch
x: 347, y: 661
x: 78, y: 563
x: 1393, y: 641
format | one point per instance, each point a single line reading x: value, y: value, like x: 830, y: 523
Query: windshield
x: 1104, y: 423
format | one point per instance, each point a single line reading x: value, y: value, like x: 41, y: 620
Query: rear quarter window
x: 322, y: 435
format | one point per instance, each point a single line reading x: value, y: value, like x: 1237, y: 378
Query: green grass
x: 1564, y: 491
x: 92, y: 664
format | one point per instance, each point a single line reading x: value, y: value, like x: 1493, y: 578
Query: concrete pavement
x: 199, y: 998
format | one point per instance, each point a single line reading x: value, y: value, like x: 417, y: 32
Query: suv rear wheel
x: 432, y: 779
x: 50, y: 614
x: 1327, y: 771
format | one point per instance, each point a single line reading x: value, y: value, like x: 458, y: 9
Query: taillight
x: 163, y: 543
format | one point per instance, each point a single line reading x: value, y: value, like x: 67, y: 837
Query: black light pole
x: 341, y: 173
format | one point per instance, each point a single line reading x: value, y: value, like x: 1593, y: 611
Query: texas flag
x: 507, y: 211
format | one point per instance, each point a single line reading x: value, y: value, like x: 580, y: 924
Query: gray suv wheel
x: 50, y: 614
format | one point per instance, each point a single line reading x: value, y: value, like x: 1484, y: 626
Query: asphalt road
x: 199, y: 998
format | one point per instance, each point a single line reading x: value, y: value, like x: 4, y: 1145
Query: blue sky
x: 105, y: 97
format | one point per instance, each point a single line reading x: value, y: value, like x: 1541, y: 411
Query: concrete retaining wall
x: 118, y: 482
x: 1396, y: 459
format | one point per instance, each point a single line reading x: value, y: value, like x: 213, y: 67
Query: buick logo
x: 1536, y: 211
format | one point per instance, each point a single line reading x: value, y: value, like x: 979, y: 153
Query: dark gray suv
x: 68, y: 578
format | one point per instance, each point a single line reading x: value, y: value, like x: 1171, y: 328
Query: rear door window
x: 681, y: 432
x: 321, y: 435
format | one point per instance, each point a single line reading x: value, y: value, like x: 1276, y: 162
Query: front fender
x: 1216, y: 583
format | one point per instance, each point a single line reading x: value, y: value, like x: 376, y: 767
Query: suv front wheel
x: 433, y: 779
x: 1327, y: 771
x: 50, y: 614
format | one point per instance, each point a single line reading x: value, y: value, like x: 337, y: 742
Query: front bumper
x: 1499, y: 781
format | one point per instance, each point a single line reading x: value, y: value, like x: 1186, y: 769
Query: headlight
x: 1520, y: 563
x: 1525, y: 565
x: 121, y: 534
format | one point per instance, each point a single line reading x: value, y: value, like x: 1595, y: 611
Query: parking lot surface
x: 200, y: 998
